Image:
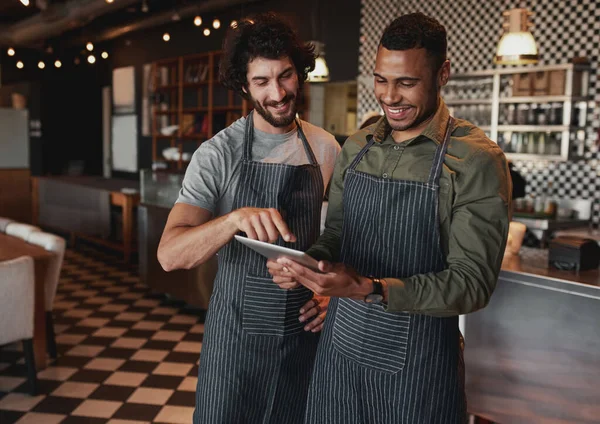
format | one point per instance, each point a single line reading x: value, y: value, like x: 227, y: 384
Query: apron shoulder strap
x: 440, y: 153
x: 312, y: 159
x: 248, y: 137
x: 363, y: 151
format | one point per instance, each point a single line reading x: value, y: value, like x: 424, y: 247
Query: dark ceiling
x: 64, y: 22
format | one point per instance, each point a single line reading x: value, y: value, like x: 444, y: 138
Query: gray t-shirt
x: 213, y: 175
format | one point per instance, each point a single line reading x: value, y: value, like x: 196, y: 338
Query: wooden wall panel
x: 15, y: 194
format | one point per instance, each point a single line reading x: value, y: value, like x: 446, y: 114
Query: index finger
x: 304, y: 275
x: 281, y: 226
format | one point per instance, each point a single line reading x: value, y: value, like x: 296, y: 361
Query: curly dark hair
x: 266, y: 35
x: 415, y: 31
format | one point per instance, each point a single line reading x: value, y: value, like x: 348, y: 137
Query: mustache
x: 286, y: 99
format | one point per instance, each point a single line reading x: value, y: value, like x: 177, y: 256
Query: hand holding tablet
x: 273, y: 251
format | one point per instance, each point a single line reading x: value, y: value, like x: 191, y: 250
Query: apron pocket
x: 371, y: 337
x: 271, y: 311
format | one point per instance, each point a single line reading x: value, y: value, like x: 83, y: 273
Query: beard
x: 280, y: 120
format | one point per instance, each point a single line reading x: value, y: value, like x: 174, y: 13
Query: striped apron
x: 256, y: 358
x: 380, y: 367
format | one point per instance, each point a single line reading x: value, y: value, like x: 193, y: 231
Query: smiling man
x: 415, y: 233
x: 264, y: 176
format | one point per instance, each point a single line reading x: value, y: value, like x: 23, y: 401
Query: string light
x: 25, y: 2
x: 216, y: 24
x: 20, y: 64
x: 166, y: 36
x: 89, y: 46
x: 91, y: 59
x: 58, y: 63
x: 41, y: 65
x: 197, y: 21
x: 206, y: 32
x: 104, y: 55
x: 233, y: 24
x: 109, y: 1
x: 11, y: 51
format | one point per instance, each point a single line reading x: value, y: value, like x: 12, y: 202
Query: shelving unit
x: 188, y: 97
x: 527, y: 121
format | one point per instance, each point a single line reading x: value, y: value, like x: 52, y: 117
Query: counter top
x: 534, y: 262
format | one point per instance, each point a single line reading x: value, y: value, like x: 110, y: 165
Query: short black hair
x: 266, y: 35
x: 416, y: 31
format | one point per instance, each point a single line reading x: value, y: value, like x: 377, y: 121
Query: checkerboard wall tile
x: 133, y: 356
x: 563, y: 29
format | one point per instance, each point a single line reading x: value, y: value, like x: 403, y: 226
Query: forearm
x: 453, y: 291
x: 185, y: 247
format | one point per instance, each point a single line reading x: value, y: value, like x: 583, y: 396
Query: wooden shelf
x: 194, y: 137
x: 166, y: 87
x: 227, y: 108
x: 174, y: 160
x: 180, y: 89
x: 196, y: 84
x: 169, y: 61
x: 195, y: 109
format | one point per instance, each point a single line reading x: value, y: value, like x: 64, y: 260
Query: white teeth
x: 402, y: 109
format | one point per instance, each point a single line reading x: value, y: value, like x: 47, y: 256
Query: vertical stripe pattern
x: 381, y: 367
x: 256, y: 359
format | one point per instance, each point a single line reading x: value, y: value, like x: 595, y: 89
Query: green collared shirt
x: 474, y: 204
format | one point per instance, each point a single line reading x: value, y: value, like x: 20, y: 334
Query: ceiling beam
x: 161, y: 19
x: 56, y: 19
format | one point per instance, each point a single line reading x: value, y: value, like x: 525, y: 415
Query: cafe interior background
x: 107, y: 100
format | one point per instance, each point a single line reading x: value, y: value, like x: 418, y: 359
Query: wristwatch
x: 376, y: 296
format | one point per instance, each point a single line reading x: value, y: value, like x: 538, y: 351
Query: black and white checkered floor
x: 124, y: 354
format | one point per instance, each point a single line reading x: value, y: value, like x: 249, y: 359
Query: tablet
x: 273, y: 251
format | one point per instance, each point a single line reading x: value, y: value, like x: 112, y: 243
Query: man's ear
x: 444, y: 74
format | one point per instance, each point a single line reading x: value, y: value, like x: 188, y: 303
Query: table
x: 14, y: 247
x: 127, y: 201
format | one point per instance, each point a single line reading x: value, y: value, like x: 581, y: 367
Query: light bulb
x: 206, y: 32
x: 89, y: 46
x: 91, y: 59
x: 197, y: 21
x: 216, y: 24
x: 11, y: 51
x: 104, y: 55
x: 233, y: 24
x: 25, y: 2
x: 58, y: 63
x: 166, y: 36
x: 20, y: 64
x: 41, y: 65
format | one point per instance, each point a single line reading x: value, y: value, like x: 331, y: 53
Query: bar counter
x: 533, y: 354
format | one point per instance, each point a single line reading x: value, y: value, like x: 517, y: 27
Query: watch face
x: 374, y: 298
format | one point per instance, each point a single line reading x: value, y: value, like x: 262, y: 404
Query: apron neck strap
x: 363, y: 151
x: 440, y: 153
x: 249, y: 138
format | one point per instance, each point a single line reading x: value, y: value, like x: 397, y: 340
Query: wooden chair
x: 56, y: 245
